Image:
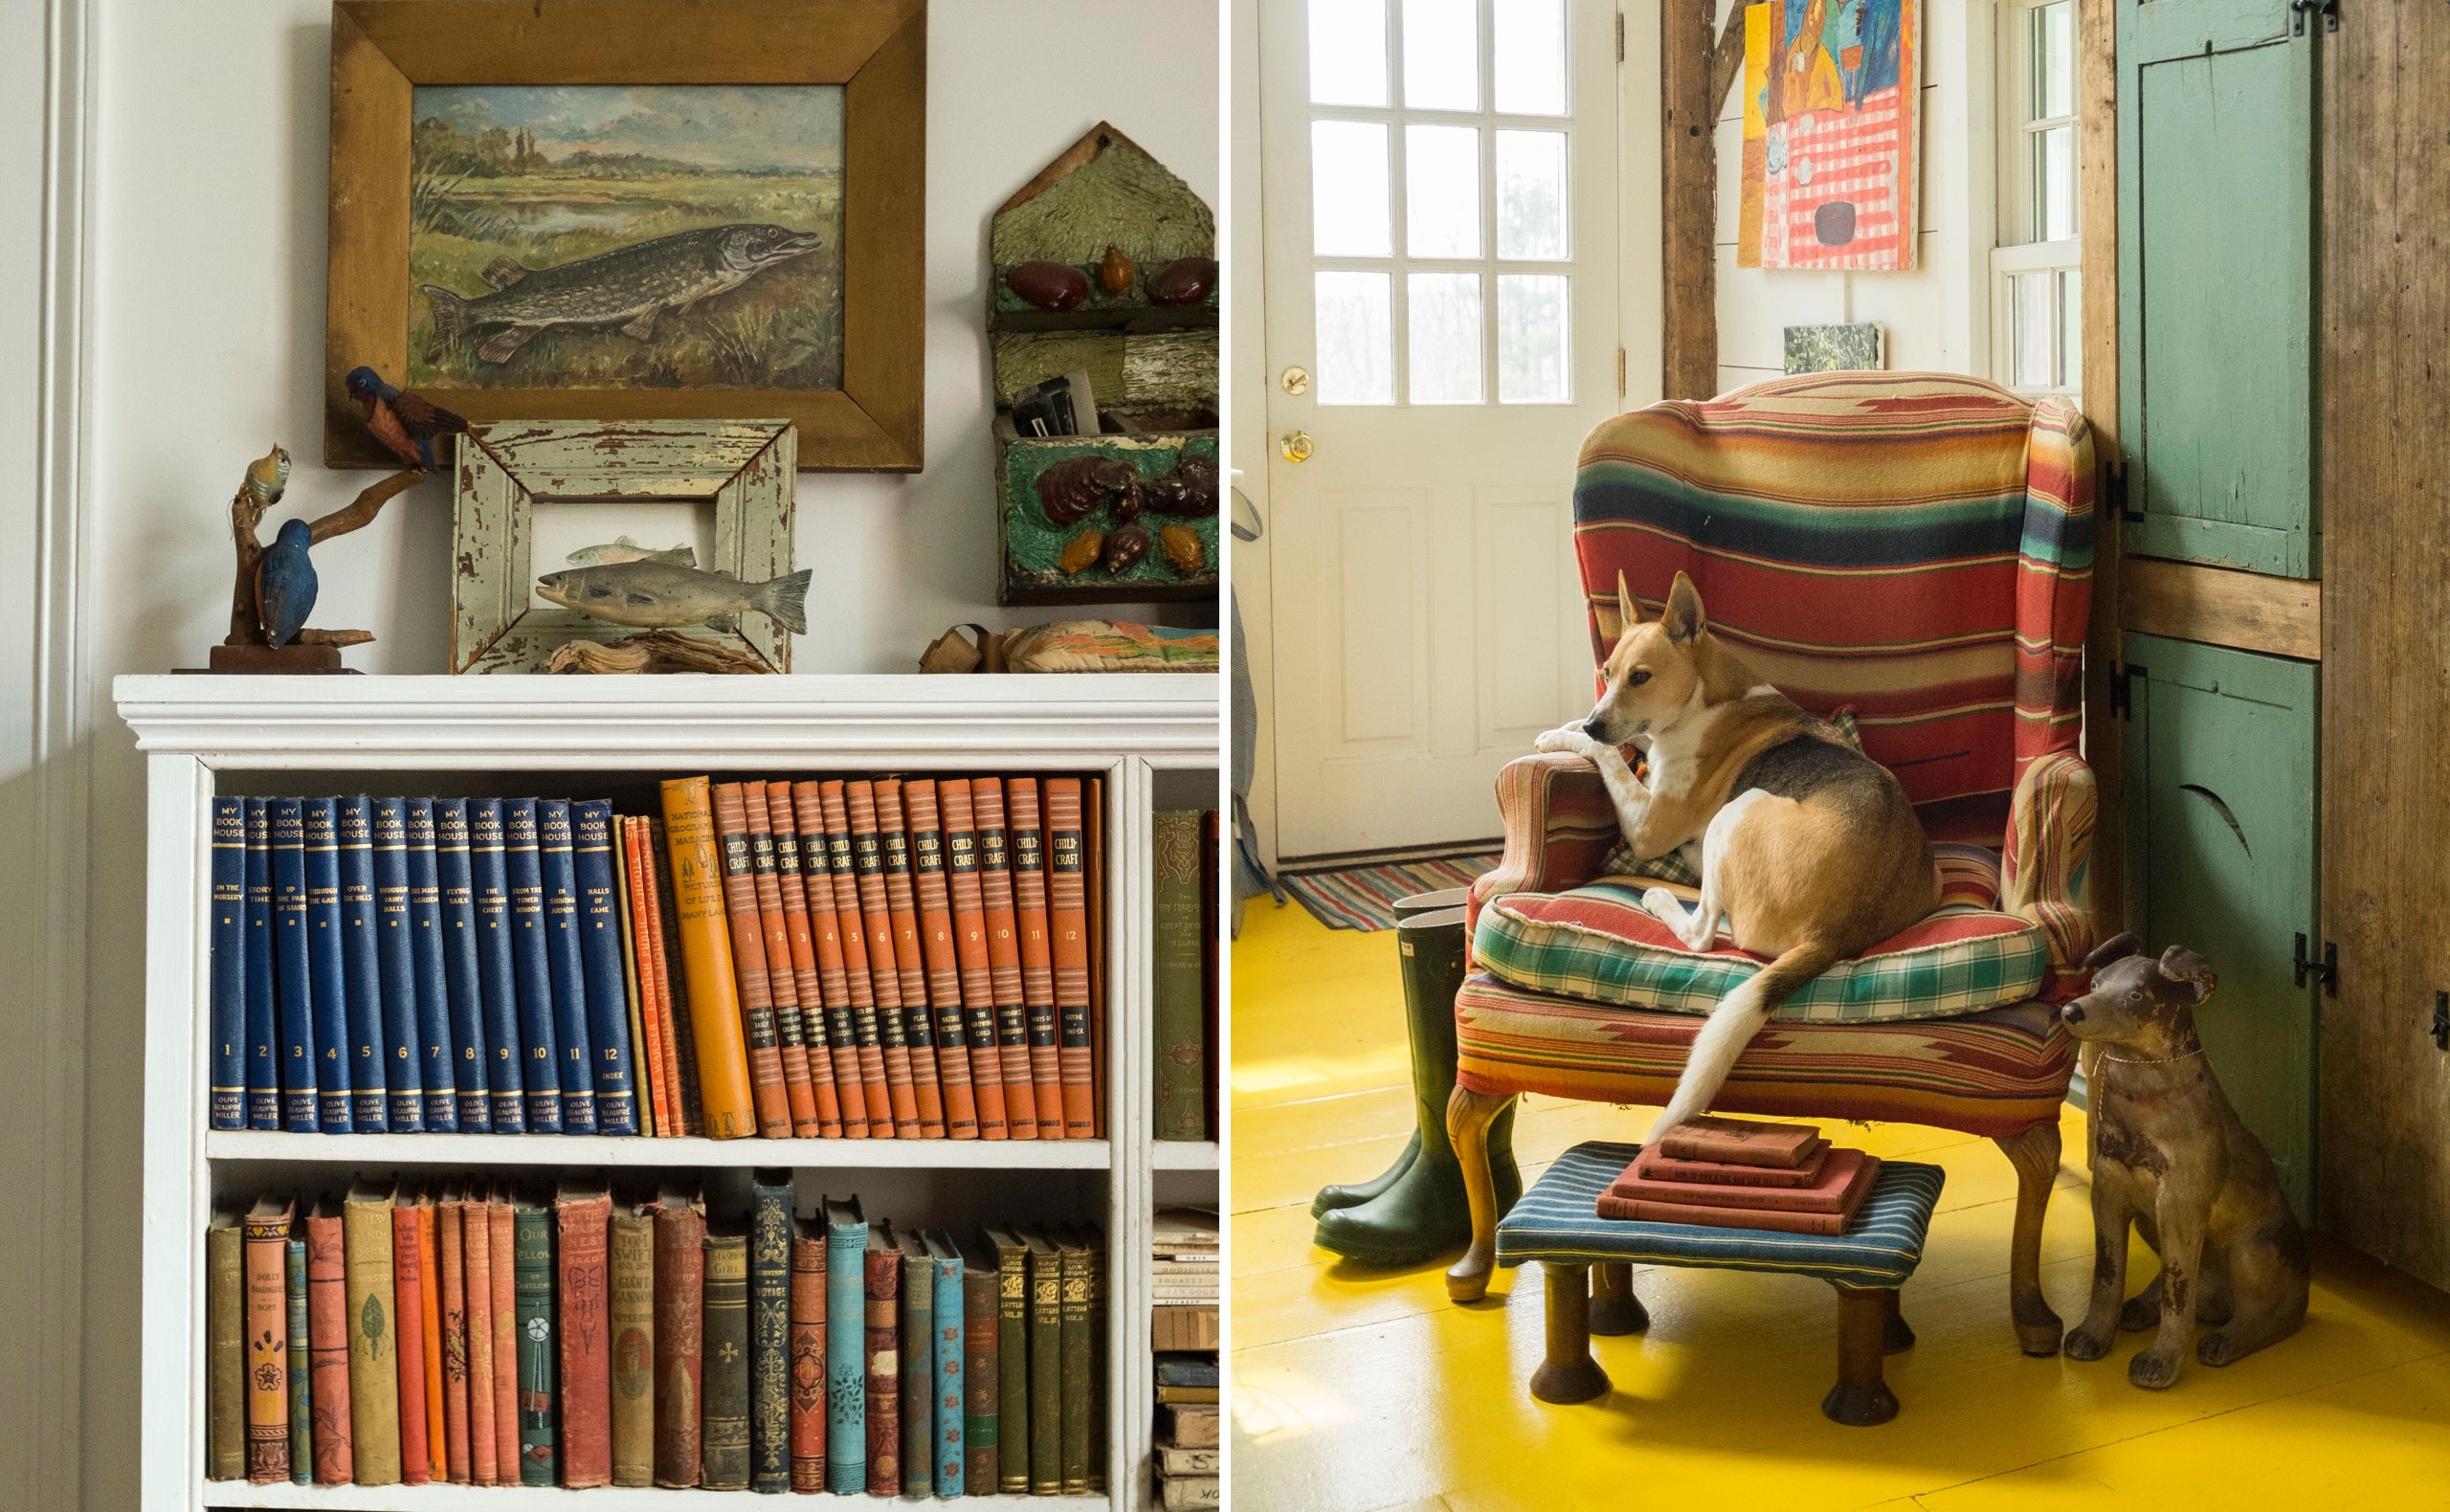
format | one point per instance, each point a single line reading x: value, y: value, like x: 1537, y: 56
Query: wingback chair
x: 1912, y: 554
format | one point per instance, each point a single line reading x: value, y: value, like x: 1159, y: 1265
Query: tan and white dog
x: 1808, y: 848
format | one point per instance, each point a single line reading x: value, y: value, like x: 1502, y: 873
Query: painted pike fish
x: 658, y: 595
x: 624, y: 549
x: 629, y: 286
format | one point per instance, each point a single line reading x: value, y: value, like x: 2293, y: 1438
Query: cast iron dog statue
x: 2169, y: 1155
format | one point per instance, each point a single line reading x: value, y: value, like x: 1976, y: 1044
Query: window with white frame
x: 2036, y: 308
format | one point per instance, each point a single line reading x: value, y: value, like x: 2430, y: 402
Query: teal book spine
x: 437, y: 1073
x: 538, y: 1359
x: 361, y: 972
x: 949, y: 1386
x: 301, y: 1408
x: 327, y: 977
x: 264, y: 1050
x: 538, y: 1069
x: 227, y: 1089
x: 608, y: 993
x: 301, y: 1112
x: 562, y: 969
x: 461, y: 975
x: 846, y: 1335
x: 395, y: 957
x: 497, y: 978
x: 769, y: 1333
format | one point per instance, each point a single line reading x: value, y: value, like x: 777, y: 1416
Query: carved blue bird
x: 285, y: 583
x: 406, y: 422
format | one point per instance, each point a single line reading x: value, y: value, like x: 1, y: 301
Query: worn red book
x: 1093, y: 828
x: 408, y: 1319
x: 680, y: 1333
x: 781, y: 982
x: 451, y: 1246
x: 909, y: 970
x: 808, y: 1354
x: 1656, y: 1166
x: 748, y: 961
x: 1735, y: 1141
x: 583, y: 1216
x: 884, y: 976
x: 1004, y: 958
x: 501, y: 1223
x: 883, y: 1272
x: 1832, y: 1190
x: 266, y: 1234
x: 430, y: 1279
x: 328, y: 1343
x: 834, y: 977
x: 475, y: 1265
x: 799, y: 938
x: 1067, y: 936
x: 927, y: 881
x: 634, y: 872
x: 1025, y: 827
x: 1716, y: 1214
x: 969, y: 955
x: 663, y: 931
x: 867, y: 1015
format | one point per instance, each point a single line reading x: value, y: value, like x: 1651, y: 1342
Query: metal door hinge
x: 1620, y: 36
x: 2327, y: 973
x: 2121, y: 694
x: 1621, y: 373
x: 2114, y: 494
x: 2297, y: 10
x: 2441, y: 1020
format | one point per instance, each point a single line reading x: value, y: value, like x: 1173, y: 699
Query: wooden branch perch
x: 247, y: 513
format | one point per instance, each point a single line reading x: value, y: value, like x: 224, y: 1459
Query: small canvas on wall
x: 1832, y: 120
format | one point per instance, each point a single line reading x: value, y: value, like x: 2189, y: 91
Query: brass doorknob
x: 1295, y: 381
x: 1296, y: 446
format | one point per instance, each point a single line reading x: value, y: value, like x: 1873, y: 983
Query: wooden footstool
x: 1557, y: 1223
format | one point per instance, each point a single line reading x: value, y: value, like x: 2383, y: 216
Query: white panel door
x: 1442, y: 232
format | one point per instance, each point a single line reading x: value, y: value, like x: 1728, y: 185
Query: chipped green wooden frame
x: 743, y: 467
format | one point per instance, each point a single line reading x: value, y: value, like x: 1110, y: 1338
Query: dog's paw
x: 2215, y: 1348
x: 2083, y: 1346
x: 1664, y: 906
x: 2152, y: 1370
x: 1573, y: 740
x: 2140, y: 1313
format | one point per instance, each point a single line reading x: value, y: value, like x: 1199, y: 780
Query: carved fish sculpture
x: 658, y: 595
x: 624, y: 549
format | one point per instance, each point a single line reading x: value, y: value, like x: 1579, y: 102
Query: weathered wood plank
x: 2252, y: 611
x: 1688, y: 193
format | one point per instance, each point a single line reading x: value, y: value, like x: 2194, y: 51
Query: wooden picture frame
x: 743, y: 467
x: 876, y: 49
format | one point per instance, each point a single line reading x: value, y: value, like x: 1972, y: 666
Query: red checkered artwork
x: 1831, y: 118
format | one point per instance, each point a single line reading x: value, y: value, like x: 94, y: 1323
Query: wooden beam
x: 1726, y: 64
x: 2097, y: 219
x: 2282, y: 615
x: 1688, y: 200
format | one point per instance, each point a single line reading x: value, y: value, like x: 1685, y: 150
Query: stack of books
x: 1188, y: 1392
x: 1183, y: 1265
x: 1726, y: 1173
x: 469, y: 1334
x: 852, y: 958
x: 1184, y: 925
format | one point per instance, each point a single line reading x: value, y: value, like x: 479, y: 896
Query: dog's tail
x: 1732, y: 1024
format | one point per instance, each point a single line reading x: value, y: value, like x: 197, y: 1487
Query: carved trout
x: 658, y: 595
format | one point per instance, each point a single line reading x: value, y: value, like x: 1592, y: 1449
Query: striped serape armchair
x: 1908, y: 553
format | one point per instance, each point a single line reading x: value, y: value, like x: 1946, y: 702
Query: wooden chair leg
x: 1569, y: 1374
x: 1861, y: 1397
x: 2034, y: 1153
x: 1896, y: 1337
x: 1468, y: 1116
x: 1614, y: 1309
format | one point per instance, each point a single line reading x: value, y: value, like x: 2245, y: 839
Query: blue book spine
x: 435, y: 1077
x: 564, y: 967
x: 497, y: 980
x: 325, y: 976
x: 292, y: 986
x: 360, y: 970
x: 227, y: 1092
x: 846, y: 1337
x: 396, y: 955
x: 607, y: 991
x: 301, y: 1411
x: 538, y: 1070
x: 263, y: 1068
x: 949, y: 1453
x: 459, y: 970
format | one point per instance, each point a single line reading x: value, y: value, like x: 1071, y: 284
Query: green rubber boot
x: 1423, y: 1212
x: 1355, y: 1194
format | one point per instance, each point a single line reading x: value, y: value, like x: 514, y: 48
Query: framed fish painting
x: 1832, y: 130
x: 619, y: 210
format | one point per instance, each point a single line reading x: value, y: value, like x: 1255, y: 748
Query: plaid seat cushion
x: 1598, y: 942
x: 1558, y: 1220
x: 1991, y: 1074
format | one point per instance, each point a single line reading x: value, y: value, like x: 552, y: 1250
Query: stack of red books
x: 1728, y: 1174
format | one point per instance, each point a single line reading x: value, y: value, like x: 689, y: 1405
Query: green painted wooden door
x: 2220, y: 797
x: 2215, y: 183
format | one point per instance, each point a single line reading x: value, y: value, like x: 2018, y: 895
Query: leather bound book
x: 867, y: 1033
x: 265, y: 1235
x: 782, y: 979
x: 1068, y: 927
x: 263, y: 1025
x: 1093, y: 1242
x: 799, y: 936
x: 539, y: 1410
x: 583, y: 1263
x: 476, y: 1270
x: 566, y: 967
x: 882, y: 1361
x: 360, y: 971
x: 981, y: 1367
x: 633, y: 1273
x: 539, y: 1071
x: 825, y: 940
x: 679, y: 1037
x: 947, y: 1351
x: 1212, y: 858
x: 918, y: 1302
x: 828, y: 872
x: 808, y: 1354
x: 1180, y: 970
x: 429, y: 1318
x: 1735, y: 1141
x: 501, y: 1221
x: 1046, y: 1364
x: 646, y: 1076
x: 1846, y: 1177
x: 1010, y: 1253
x: 936, y: 946
x: 846, y: 1417
x: 1643, y: 1209
x: 225, y: 1347
x: 395, y: 961
x: 497, y: 975
x: 294, y: 1012
x: 723, y: 1464
x: 599, y: 948
x: 1653, y: 1165
x: 884, y: 978
x: 437, y: 1069
x: 680, y: 1333
x: 769, y: 1332
x: 327, y: 1343
x: 451, y: 1246
x: 1093, y: 835
x: 1023, y: 812
x: 1004, y: 959
x: 977, y: 1000
x: 326, y: 975
x: 226, y: 1088
x: 910, y: 974
x: 374, y: 1335
x: 1076, y: 1384
x: 751, y: 983
x: 662, y: 1107
x: 705, y: 933
x: 462, y: 973
x: 407, y: 1294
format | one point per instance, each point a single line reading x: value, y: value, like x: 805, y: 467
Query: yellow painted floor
x: 1355, y: 1388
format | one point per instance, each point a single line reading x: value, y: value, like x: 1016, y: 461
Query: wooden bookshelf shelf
x: 588, y: 1150
x: 1186, y: 1154
x: 602, y: 1499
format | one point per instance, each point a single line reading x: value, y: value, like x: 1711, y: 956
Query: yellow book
x: 706, y: 958
x: 374, y: 1339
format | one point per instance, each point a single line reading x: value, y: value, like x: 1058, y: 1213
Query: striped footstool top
x: 1558, y: 1219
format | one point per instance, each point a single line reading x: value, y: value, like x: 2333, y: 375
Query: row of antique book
x: 859, y: 957
x: 460, y: 1334
x: 1183, y: 924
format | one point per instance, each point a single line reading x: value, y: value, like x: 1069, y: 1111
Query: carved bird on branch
x: 404, y: 421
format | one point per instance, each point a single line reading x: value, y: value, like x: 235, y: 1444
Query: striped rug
x: 1364, y: 897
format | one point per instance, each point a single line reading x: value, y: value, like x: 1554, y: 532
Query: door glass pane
x: 1348, y: 189
x: 1532, y: 353
x: 1441, y: 55
x: 1445, y: 331
x: 1531, y: 197
x: 2054, y: 183
x: 2071, y: 330
x: 1349, y: 52
x: 1530, y: 69
x: 2032, y: 325
x: 1441, y: 191
x: 1356, y: 338
x: 2054, y: 61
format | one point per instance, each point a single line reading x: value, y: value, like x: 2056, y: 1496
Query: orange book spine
x: 635, y: 871
x: 438, y: 1435
x: 408, y: 1316
x: 832, y: 973
x: 705, y: 957
x: 265, y: 1235
x: 866, y: 1033
x: 919, y: 805
x: 502, y: 1227
x: 901, y: 905
x: 751, y: 986
x: 477, y: 1263
x: 970, y: 954
x: 1093, y: 818
x: 1004, y: 959
x: 775, y: 941
x: 875, y: 916
x: 800, y: 938
x: 1038, y: 972
x: 452, y: 1252
x: 680, y: 1038
x: 1067, y: 932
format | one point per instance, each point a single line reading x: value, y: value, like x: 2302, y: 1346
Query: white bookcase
x: 204, y: 736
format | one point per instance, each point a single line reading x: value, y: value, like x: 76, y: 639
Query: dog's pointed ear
x: 1629, y: 612
x: 2181, y: 965
x: 2117, y: 948
x: 1683, y: 619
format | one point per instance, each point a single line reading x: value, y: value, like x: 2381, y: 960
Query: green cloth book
x: 769, y: 1333
x: 982, y: 1369
x: 725, y: 1414
x: 225, y: 1350
x: 1046, y: 1364
x: 1012, y: 1361
x: 539, y: 1360
x: 1073, y: 1367
x: 918, y: 1352
x: 1180, y: 970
